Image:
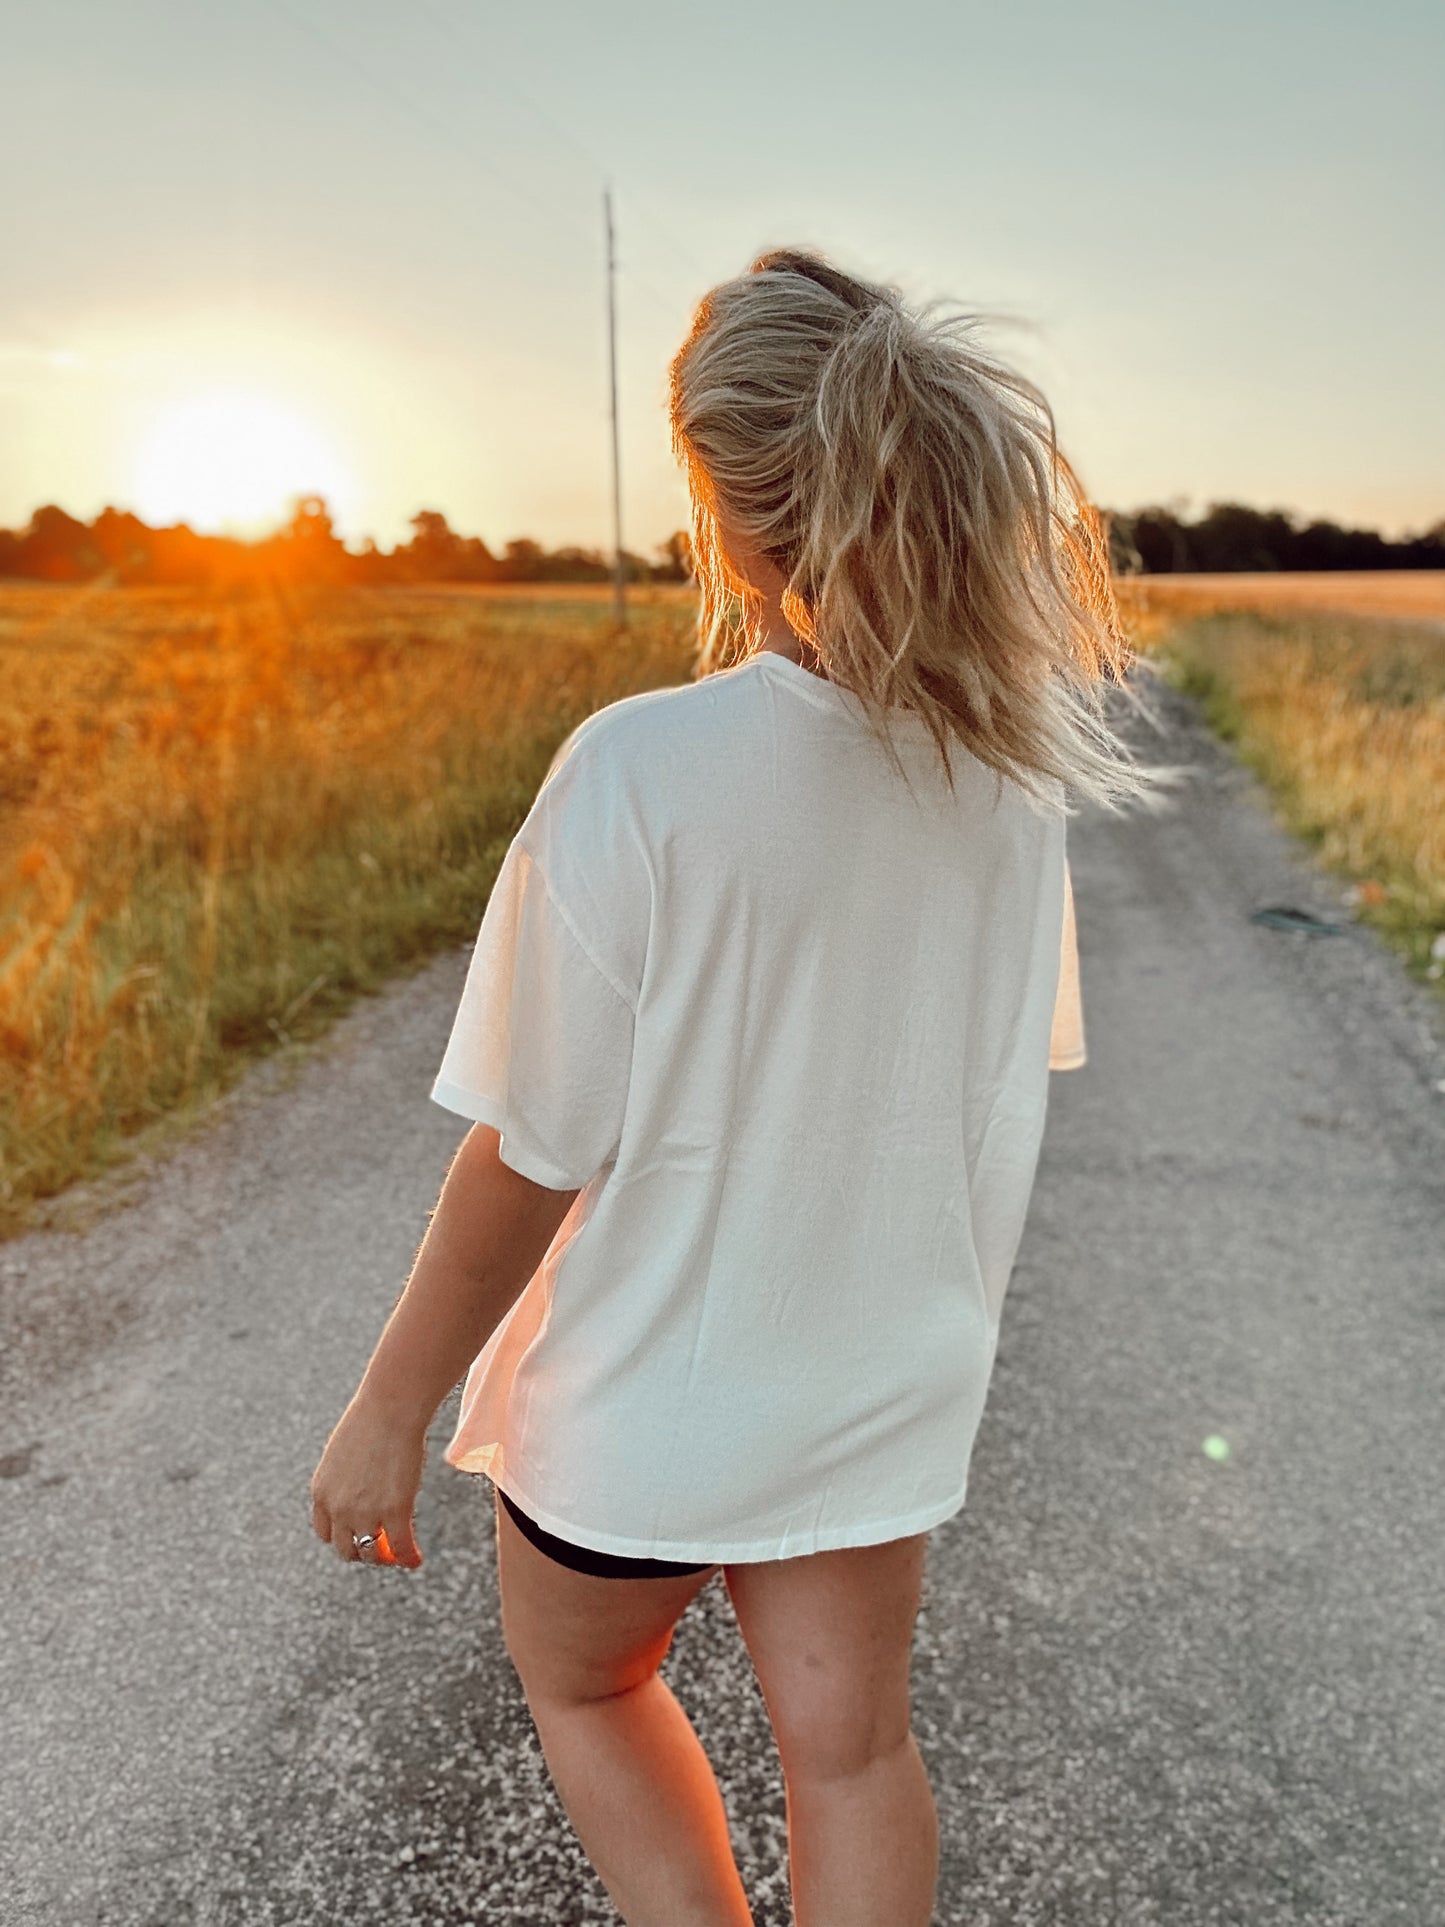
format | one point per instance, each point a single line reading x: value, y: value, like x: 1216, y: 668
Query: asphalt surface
x: 1153, y: 1685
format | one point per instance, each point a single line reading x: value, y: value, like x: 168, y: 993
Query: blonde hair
x: 939, y: 552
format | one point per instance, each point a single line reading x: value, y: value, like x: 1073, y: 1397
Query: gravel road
x: 1153, y: 1685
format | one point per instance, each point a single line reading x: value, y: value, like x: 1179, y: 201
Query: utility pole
x: 619, y: 579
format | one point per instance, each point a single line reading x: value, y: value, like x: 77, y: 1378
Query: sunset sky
x: 273, y: 245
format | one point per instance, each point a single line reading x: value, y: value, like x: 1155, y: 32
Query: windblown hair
x: 939, y: 552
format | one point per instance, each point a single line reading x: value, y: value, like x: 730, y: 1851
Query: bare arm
x: 1066, y: 1043
x: 489, y: 1232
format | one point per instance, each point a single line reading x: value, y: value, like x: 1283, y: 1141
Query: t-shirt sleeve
x: 1066, y: 1044
x: 541, y: 1046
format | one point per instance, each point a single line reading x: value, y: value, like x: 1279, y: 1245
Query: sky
x: 261, y: 247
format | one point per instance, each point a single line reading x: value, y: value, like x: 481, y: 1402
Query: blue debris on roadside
x: 1283, y: 916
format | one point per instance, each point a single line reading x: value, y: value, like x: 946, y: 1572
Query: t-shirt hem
x: 721, y: 1552
x: 519, y: 1157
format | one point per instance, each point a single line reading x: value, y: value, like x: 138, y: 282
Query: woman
x: 756, y: 1040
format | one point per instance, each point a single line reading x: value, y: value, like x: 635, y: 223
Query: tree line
x: 1229, y: 538
x: 117, y: 546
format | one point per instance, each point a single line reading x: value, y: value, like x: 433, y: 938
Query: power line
x: 525, y: 99
x: 392, y: 93
x: 423, y: 118
x: 405, y: 104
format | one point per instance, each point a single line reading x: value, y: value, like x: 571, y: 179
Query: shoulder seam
x: 572, y: 930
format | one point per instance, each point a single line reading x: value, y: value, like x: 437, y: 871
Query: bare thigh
x: 573, y: 1636
x: 830, y: 1635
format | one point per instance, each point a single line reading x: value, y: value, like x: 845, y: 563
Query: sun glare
x: 229, y: 462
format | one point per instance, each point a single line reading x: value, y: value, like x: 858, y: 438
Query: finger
x: 342, y: 1540
x: 399, y: 1538
x: 320, y: 1519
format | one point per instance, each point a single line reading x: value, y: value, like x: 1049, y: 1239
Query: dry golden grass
x: 222, y: 821
x: 1416, y: 593
x: 1344, y: 718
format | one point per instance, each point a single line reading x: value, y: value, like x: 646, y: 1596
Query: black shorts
x: 602, y: 1565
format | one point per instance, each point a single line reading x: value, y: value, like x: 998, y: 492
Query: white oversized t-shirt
x: 788, y: 1023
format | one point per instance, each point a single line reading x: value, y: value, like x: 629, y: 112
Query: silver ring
x: 366, y: 1540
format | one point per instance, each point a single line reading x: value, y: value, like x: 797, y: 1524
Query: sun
x: 229, y: 462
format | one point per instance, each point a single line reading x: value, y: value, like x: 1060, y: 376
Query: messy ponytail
x: 939, y: 553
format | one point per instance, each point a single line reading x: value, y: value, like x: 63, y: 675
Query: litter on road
x: 1283, y: 916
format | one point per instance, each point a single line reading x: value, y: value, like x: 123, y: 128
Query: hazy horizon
x: 365, y: 252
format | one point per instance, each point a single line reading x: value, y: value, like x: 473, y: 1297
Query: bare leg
x: 830, y: 1635
x: 645, y: 1804
x: 863, y: 1844
x: 623, y: 1755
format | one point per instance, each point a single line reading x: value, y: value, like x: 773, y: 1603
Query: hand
x: 367, y: 1481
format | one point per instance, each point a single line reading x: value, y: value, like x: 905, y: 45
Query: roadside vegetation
x: 222, y: 821
x: 1343, y: 717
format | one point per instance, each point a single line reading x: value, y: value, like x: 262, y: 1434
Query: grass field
x: 221, y: 822
x: 1418, y: 594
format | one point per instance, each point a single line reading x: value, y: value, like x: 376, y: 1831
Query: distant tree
x: 523, y: 561
x: 675, y: 558
x: 57, y: 548
x: 309, y: 520
x: 1124, y: 557
x: 370, y: 566
x: 1230, y: 536
x: 308, y: 548
x: 124, y: 543
x: 1427, y: 550
x: 573, y: 564
x: 1159, y: 538
x: 178, y: 557
x: 437, y: 554
x: 432, y: 549
x: 1324, y: 545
